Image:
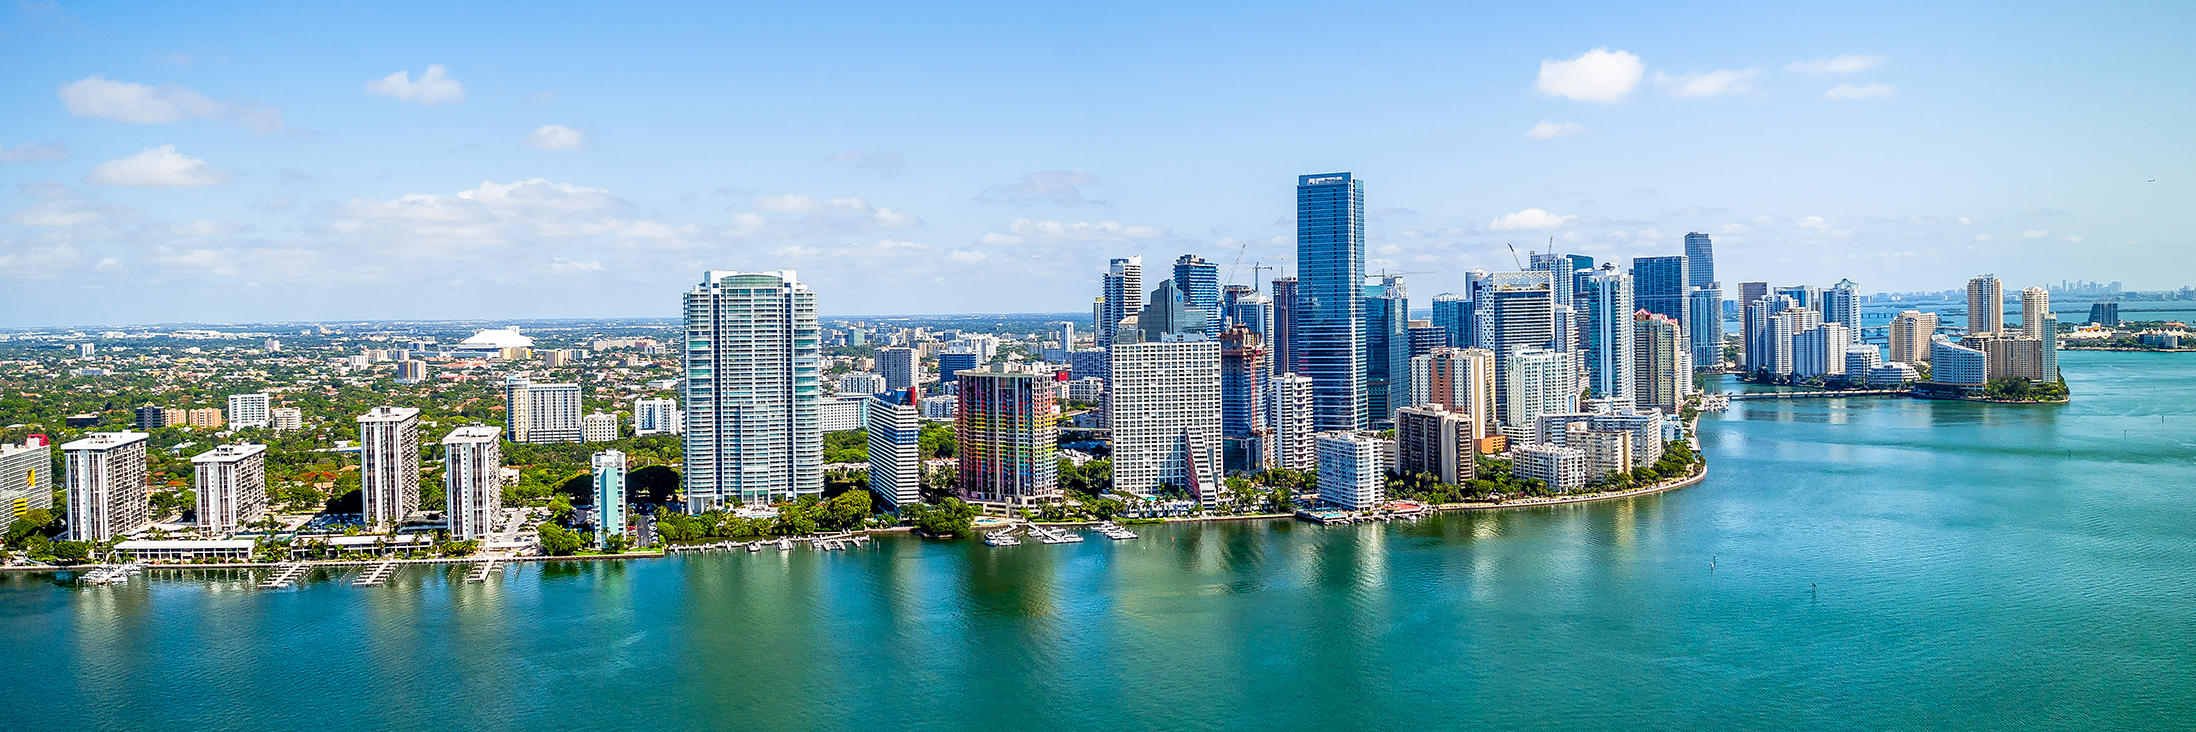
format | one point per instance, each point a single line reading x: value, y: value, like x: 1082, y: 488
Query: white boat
x: 1002, y: 538
x: 785, y: 545
x: 755, y: 547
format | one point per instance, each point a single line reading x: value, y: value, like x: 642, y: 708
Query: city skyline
x: 172, y: 166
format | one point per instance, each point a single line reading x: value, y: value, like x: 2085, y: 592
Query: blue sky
x: 253, y: 162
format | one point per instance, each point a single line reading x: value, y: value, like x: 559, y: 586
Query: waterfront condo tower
x: 1283, y: 332
x: 388, y: 465
x: 609, y: 480
x: 1700, y: 260
x: 1659, y: 285
x: 472, y: 480
x: 1985, y: 305
x: 1164, y: 405
x: 1008, y: 434
x: 1121, y: 295
x: 1607, y: 298
x: 106, y: 485
x: 26, y: 479
x: 895, y: 448
x: 1329, y: 335
x: 753, y: 401
x: 232, y: 488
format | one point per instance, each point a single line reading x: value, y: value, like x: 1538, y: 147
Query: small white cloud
x: 1864, y: 91
x: 109, y: 264
x: 157, y: 166
x: 1599, y: 75
x: 1986, y: 237
x: 1063, y: 187
x: 1531, y: 218
x: 554, y: 138
x: 433, y: 87
x: 1710, y: 84
x: 99, y: 97
x: 966, y: 256
x: 33, y: 153
x: 1835, y: 65
x: 2070, y: 238
x: 804, y: 203
x: 1026, y: 231
x: 2035, y: 234
x: 1965, y: 221
x: 1549, y: 130
x: 1812, y: 222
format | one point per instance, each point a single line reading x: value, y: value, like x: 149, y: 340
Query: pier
x: 286, y: 574
x: 376, y: 575
x: 480, y: 571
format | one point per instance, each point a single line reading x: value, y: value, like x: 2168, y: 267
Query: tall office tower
x: 1433, y: 440
x: 609, y: 480
x: 662, y: 416
x: 1659, y: 285
x: 1246, y: 440
x: 1229, y: 295
x: 1561, y: 277
x: 599, y: 427
x: 1910, y: 333
x: 287, y: 418
x: 388, y: 465
x: 1782, y: 329
x: 106, y: 485
x: 1290, y: 415
x: 1122, y: 295
x: 895, y: 448
x: 232, y: 487
x: 1283, y: 335
x: 247, y: 411
x: 1662, y: 362
x: 901, y: 368
x: 2105, y: 314
x: 1608, y: 300
x: 1700, y: 260
x: 1353, y: 468
x: 1008, y: 434
x: 1511, y: 311
x: 472, y: 480
x: 1748, y: 293
x: 754, y: 430
x: 1166, y: 311
x: 1820, y: 351
x: 541, y: 413
x: 1540, y: 381
x: 1453, y: 315
x: 1985, y: 305
x: 1329, y: 336
x: 2035, y: 307
x: 26, y: 481
x: 1199, y: 282
x: 1758, y: 314
x: 1461, y: 379
x: 952, y: 363
x: 1254, y: 311
x: 1164, y: 405
x: 1705, y: 330
x: 1387, y: 350
x: 1425, y: 337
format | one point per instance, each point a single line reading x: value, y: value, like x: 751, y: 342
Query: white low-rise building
x: 185, y: 550
x: 1353, y: 468
x: 599, y: 427
x: 844, y: 413
x: 1560, y: 468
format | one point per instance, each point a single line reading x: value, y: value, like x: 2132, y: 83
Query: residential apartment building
x: 388, y: 472
x: 1353, y: 468
x: 232, y: 488
x: 106, y: 485
x: 250, y: 411
x: 895, y: 443
x: 1008, y: 434
x: 472, y: 481
x: 1433, y: 440
x: 753, y: 361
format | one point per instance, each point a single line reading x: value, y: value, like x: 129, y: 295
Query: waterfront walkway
x: 1824, y: 394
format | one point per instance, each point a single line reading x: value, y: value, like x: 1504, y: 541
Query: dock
x: 378, y: 574
x: 286, y: 574
x: 480, y: 571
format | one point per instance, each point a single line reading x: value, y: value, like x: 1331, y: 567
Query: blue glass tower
x: 1330, y: 322
x: 1453, y: 315
x: 1700, y: 260
x: 1199, y: 282
x: 1659, y: 286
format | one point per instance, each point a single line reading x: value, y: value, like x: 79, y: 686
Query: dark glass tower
x: 1199, y: 282
x: 1283, y: 344
x: 1700, y: 260
x: 1659, y: 285
x: 1330, y: 322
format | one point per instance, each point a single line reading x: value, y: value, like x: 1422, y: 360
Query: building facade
x: 1561, y: 469
x: 106, y: 485
x: 1199, y: 282
x: 1910, y: 334
x: 1705, y: 325
x: 1541, y: 381
x: 658, y: 417
x: 1329, y: 333
x: 472, y: 481
x: 753, y: 363
x: 1289, y: 416
x: 1353, y: 468
x: 1985, y: 305
x: 599, y: 427
x: 26, y: 481
x: 1435, y: 441
x: 1610, y: 334
x: 248, y: 411
x: 895, y: 448
x: 1121, y: 295
x: 1660, y: 284
x: 1008, y: 434
x: 1662, y: 363
x: 388, y: 465
x: 1245, y: 434
x: 1700, y: 261
x: 231, y: 481
x: 1165, y: 410
x: 542, y: 414
x: 900, y: 366
x: 610, y: 498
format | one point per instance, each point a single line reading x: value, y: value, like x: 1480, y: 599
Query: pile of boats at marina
x: 1054, y: 534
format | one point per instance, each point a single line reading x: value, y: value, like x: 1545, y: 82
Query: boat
x: 1002, y: 538
x: 755, y: 547
x: 785, y: 545
x: 1115, y: 531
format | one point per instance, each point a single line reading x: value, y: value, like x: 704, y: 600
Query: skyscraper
x: 251, y: 410
x: 1433, y: 440
x: 1283, y: 334
x: 1199, y: 282
x: 472, y: 481
x: 1540, y: 381
x: 1659, y: 285
x: 609, y: 482
x: 1700, y: 260
x: 1245, y: 436
x: 541, y: 413
x: 1452, y: 313
x: 1512, y: 311
x: 106, y: 485
x: 1706, y: 326
x: 1007, y: 434
x: 1910, y: 333
x: 662, y: 416
x: 2035, y: 309
x: 900, y: 367
x: 1781, y: 334
x: 1122, y: 294
x: 1387, y: 350
x: 1662, y: 365
x: 1329, y: 337
x: 26, y: 479
x: 1609, y: 357
x: 1841, y: 305
x: 388, y: 465
x: 1461, y: 379
x: 1985, y: 305
x: 232, y: 487
x: 1561, y: 275
x: 895, y: 448
x: 1164, y: 407
x: 753, y: 422
x: 1291, y: 418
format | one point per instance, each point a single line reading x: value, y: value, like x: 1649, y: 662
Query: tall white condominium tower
x: 541, y: 413
x: 895, y: 442
x: 1290, y: 416
x: 250, y: 410
x: 1541, y: 381
x: 26, y: 481
x: 900, y: 367
x: 1910, y: 334
x: 1985, y: 305
x: 106, y: 485
x: 472, y: 484
x: 2035, y: 309
x: 609, y: 482
x: 232, y: 488
x: 1610, y: 348
x: 1166, y: 416
x: 1123, y: 295
x: 388, y: 464
x: 753, y: 405
x: 658, y: 417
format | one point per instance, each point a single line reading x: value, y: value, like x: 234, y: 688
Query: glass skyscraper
x: 1329, y: 333
x: 1387, y: 350
x: 1659, y: 285
x: 1453, y: 315
x: 1199, y: 282
x: 754, y: 430
x: 1700, y: 260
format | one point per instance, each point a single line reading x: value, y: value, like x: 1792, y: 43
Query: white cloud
x: 1710, y: 84
x: 1063, y: 187
x: 1550, y: 130
x: 1864, y: 91
x: 33, y: 153
x: 1599, y: 75
x: 1026, y: 231
x: 99, y: 97
x: 966, y: 256
x: 2071, y: 238
x: 1835, y: 65
x: 1531, y: 218
x: 1965, y: 221
x: 157, y: 166
x: 433, y: 87
x: 804, y: 203
x: 1812, y: 222
x: 554, y: 138
x: 2035, y: 234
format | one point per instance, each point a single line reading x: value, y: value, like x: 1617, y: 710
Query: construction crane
x: 1239, y: 252
x: 1385, y: 274
x: 1255, y: 268
x: 1513, y: 256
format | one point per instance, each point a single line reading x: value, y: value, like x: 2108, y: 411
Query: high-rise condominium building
x: 1512, y: 311
x: 1452, y: 313
x: 1841, y: 305
x: 1782, y: 331
x: 1122, y: 296
x: 609, y: 481
x: 1749, y: 330
x: 1910, y: 334
x: 1164, y: 408
x: 1329, y: 336
x: 599, y: 427
x: 1199, y: 282
x: 1821, y: 351
x: 1352, y: 468
x: 388, y: 464
x: 542, y: 413
x: 411, y: 371
x: 1540, y: 382
x: 1700, y: 260
x: 286, y: 418
x: 1387, y: 350
x: 1282, y: 338
x: 901, y: 368
x: 1659, y: 285
x: 895, y: 448
x: 1951, y: 363
x: 1433, y: 440
x: 232, y: 488
x: 661, y: 416
x: 1290, y: 415
x: 472, y: 482
x: 1705, y: 329
x: 753, y: 428
x: 1758, y: 313
x: 248, y: 411
x: 1662, y: 362
x: 1459, y: 379
x: 2035, y: 308
x: 1555, y: 466
x: 1985, y: 304
x: 106, y: 485
x: 861, y: 382
x: 1245, y: 436
x: 1008, y: 434
x: 202, y: 417
x: 26, y: 481
x: 1609, y: 353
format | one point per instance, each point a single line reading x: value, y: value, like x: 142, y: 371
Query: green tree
x: 71, y: 551
x: 848, y: 510
x: 558, y: 541
x: 950, y: 517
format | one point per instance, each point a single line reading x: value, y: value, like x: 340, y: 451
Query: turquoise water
x: 1852, y: 564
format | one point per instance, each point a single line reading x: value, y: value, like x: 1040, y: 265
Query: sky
x: 253, y: 162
